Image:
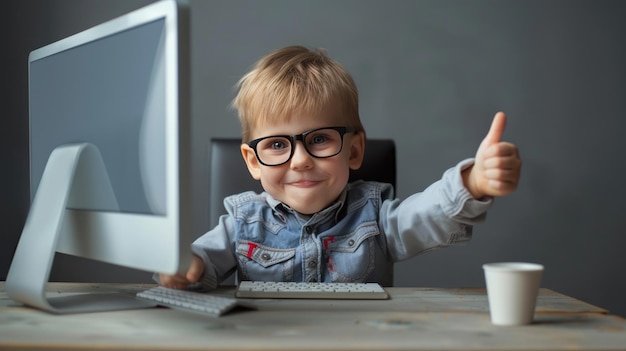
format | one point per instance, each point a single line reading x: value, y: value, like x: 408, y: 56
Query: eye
x: 319, y: 138
x: 278, y: 145
x: 274, y: 144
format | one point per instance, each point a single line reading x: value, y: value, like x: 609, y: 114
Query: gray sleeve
x: 215, y: 250
x: 443, y: 214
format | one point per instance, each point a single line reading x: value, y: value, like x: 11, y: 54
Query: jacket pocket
x: 260, y: 262
x: 351, y: 257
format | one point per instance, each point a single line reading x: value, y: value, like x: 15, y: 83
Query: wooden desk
x: 414, y: 318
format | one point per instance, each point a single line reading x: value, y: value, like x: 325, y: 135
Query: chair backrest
x: 229, y: 175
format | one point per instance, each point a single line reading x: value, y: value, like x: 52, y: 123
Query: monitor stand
x: 74, y: 177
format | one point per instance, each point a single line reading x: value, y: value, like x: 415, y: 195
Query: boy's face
x: 305, y: 183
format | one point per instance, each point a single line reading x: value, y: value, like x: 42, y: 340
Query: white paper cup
x: 512, y: 289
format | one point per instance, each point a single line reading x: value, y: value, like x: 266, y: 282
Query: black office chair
x: 229, y: 174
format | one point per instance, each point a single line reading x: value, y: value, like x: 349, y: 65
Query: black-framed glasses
x: 276, y: 150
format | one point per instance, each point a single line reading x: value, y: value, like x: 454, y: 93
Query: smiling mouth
x: 304, y: 183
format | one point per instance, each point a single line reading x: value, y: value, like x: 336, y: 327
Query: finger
x: 195, y: 269
x: 500, y: 188
x: 501, y: 149
x: 500, y: 155
x: 506, y: 163
x: 503, y: 175
x: 496, y: 130
x: 164, y: 279
x: 172, y: 281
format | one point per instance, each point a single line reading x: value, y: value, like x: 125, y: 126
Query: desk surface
x: 414, y: 318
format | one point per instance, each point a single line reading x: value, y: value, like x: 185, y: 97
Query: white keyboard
x: 295, y: 290
x: 191, y: 301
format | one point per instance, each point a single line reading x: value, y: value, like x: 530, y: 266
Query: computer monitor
x: 110, y: 154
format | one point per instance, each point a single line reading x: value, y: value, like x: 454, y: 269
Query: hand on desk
x: 181, y: 281
x: 497, y: 165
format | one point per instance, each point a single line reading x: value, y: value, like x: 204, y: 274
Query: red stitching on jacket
x: 327, y: 240
x: 251, y: 247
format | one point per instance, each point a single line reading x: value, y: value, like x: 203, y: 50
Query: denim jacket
x: 356, y: 239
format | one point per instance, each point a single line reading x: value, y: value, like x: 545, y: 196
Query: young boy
x: 301, y: 136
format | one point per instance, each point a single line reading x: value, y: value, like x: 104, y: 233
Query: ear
x: 357, y: 150
x: 254, y: 167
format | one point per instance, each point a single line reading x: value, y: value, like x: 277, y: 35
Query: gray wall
x: 431, y: 75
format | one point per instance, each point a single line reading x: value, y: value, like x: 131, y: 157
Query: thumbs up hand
x: 497, y: 166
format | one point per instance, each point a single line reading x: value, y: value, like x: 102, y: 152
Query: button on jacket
x: 357, y: 239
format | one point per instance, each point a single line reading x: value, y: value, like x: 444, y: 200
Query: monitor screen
x: 108, y: 92
x: 109, y: 148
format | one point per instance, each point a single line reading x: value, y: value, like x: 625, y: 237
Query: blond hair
x: 294, y: 80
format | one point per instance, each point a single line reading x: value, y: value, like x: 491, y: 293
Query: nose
x: 301, y: 158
